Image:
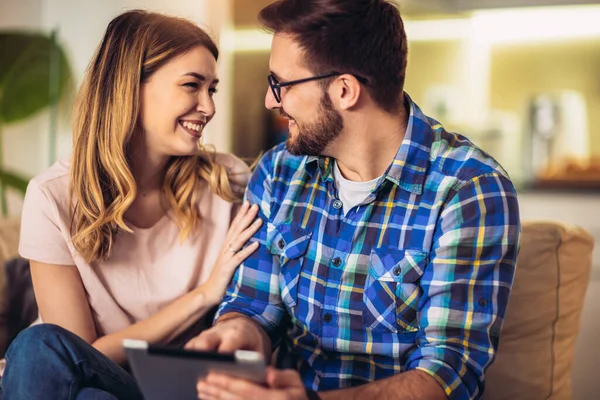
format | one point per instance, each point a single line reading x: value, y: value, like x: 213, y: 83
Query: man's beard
x: 313, y: 138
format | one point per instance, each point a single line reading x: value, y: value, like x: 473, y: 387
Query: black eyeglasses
x: 276, y: 85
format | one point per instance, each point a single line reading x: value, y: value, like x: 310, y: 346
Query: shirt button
x: 281, y: 243
x: 327, y: 317
x: 397, y: 271
x: 337, y: 262
x: 482, y: 302
x: 337, y: 204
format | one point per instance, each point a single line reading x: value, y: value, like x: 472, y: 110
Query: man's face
x: 313, y: 120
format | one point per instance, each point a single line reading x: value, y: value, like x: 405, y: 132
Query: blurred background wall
x: 521, y: 78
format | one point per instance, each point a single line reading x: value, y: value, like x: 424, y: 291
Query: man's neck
x: 369, y: 143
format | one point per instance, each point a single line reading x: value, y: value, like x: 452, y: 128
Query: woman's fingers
x: 243, y: 254
x: 239, y: 241
x: 242, y: 220
x: 240, y: 214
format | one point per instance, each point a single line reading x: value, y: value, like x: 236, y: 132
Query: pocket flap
x: 391, y: 264
x: 287, y: 240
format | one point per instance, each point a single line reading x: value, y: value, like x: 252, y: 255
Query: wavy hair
x: 106, y: 116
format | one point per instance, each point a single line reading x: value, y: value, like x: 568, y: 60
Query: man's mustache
x: 284, y: 114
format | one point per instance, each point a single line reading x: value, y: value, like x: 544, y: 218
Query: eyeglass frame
x: 276, y: 85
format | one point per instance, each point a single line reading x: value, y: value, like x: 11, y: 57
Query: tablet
x: 172, y: 373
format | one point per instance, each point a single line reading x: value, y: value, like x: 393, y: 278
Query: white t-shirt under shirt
x: 351, y: 193
x: 146, y: 270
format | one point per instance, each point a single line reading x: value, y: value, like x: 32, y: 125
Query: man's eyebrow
x: 200, y: 77
x: 276, y: 76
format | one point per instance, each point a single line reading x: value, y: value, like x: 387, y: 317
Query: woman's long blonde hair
x: 106, y: 115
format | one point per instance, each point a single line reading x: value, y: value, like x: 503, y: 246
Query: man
x: 389, y: 242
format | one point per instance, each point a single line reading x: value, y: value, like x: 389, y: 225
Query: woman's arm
x: 61, y: 297
x: 61, y: 300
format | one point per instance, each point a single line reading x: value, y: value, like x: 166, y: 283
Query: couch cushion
x: 535, y: 354
x: 9, y: 243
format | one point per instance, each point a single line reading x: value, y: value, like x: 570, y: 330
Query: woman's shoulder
x: 53, y: 181
x: 47, y: 196
x: 232, y: 164
x: 238, y: 172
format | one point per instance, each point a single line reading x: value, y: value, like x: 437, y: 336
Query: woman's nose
x: 206, y: 105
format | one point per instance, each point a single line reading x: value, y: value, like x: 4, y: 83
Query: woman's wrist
x: 205, y: 296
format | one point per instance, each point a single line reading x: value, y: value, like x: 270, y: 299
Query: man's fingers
x: 205, y: 341
x: 230, y: 346
x: 235, y: 388
x: 282, y: 379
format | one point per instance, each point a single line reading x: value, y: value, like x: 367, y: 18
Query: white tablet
x: 172, y: 373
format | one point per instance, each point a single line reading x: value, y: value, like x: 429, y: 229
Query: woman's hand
x: 243, y: 227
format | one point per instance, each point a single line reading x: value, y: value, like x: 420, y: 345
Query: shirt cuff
x: 266, y: 315
x: 450, y: 381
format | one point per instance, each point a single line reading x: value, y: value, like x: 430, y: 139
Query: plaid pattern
x: 415, y: 277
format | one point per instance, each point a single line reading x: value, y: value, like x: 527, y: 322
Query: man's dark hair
x: 358, y: 37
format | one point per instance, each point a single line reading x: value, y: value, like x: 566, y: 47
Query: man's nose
x: 270, y: 102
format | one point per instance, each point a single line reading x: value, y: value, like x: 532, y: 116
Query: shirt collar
x: 408, y: 170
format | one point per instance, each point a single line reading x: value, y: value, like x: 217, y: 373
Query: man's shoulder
x: 454, y: 155
x: 278, y: 161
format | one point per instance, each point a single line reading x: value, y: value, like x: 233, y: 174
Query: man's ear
x: 346, y: 91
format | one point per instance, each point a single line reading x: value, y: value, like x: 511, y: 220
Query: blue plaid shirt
x: 417, y: 276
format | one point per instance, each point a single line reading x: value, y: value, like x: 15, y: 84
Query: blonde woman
x: 135, y: 235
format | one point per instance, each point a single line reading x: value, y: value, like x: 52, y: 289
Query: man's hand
x: 281, y: 385
x: 235, y: 332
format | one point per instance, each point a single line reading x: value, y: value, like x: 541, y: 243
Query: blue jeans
x: 48, y: 362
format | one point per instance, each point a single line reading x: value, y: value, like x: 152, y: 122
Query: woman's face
x: 177, y: 102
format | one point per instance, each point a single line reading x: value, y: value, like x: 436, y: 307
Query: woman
x: 134, y: 236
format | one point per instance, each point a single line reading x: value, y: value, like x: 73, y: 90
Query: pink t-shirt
x: 147, y: 269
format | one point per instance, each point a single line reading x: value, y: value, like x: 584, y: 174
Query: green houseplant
x: 34, y: 74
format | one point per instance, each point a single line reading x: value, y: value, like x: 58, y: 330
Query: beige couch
x: 536, y: 348
x: 535, y: 354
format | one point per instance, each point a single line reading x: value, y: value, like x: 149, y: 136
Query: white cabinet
x: 452, y: 6
x: 578, y: 209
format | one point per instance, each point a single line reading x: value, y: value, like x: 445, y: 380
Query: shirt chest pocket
x: 289, y: 244
x: 392, y: 290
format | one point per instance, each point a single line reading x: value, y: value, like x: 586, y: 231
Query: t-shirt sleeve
x: 41, y: 237
x: 238, y: 172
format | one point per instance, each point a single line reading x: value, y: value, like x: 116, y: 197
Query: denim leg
x: 94, y: 394
x: 48, y: 362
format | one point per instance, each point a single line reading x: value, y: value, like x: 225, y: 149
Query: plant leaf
x: 25, y: 64
x: 14, y: 181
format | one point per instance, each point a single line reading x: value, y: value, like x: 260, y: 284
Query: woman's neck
x: 148, y: 171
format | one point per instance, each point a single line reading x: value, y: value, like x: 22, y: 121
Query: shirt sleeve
x: 254, y: 290
x: 466, y: 285
x: 41, y: 238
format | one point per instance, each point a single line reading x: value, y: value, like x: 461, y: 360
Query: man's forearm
x: 411, y: 385
x: 267, y: 347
